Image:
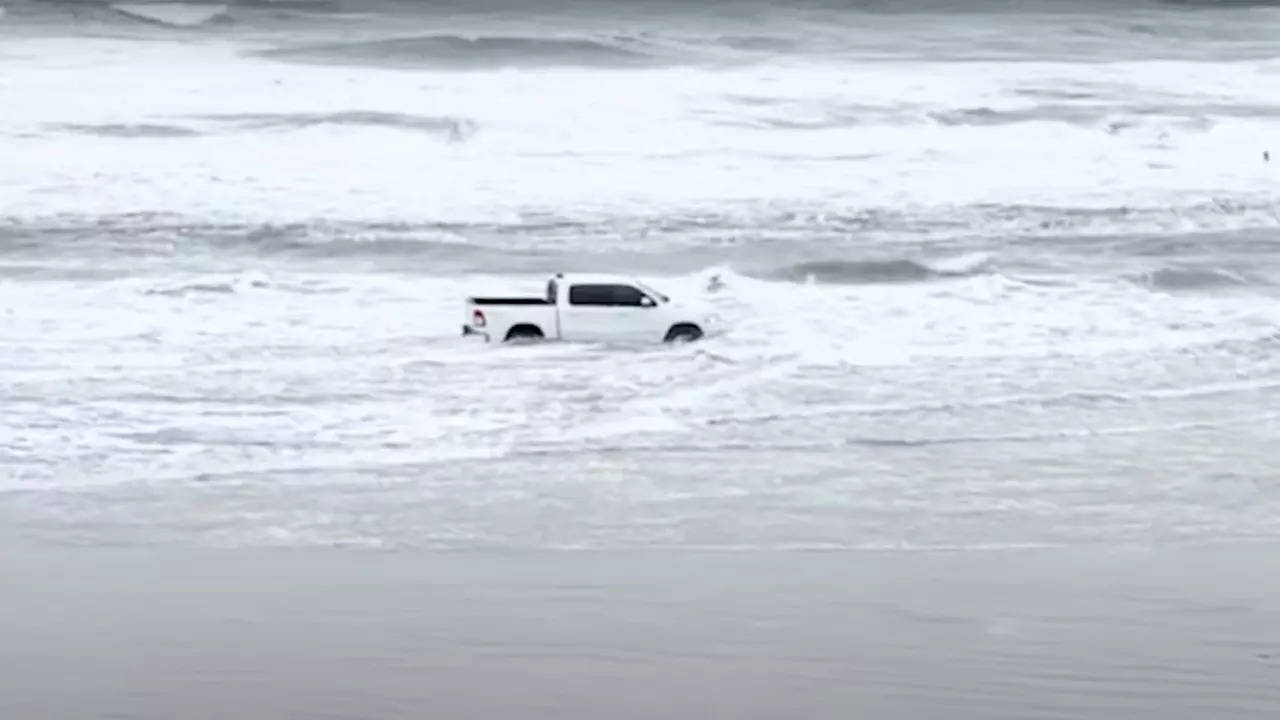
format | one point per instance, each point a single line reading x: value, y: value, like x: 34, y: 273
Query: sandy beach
x: 320, y: 633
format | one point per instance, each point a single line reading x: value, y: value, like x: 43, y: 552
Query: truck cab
x: 587, y: 307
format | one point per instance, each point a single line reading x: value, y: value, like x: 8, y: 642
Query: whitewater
x: 995, y: 277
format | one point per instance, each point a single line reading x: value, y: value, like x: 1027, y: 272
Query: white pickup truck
x: 588, y: 308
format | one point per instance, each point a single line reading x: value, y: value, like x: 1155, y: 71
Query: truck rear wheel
x: 525, y: 333
x: 683, y: 332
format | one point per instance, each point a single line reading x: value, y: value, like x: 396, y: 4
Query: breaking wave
x: 767, y: 113
x: 239, y: 283
x: 1196, y: 114
x: 455, y: 129
x: 126, y: 130
x: 219, y: 288
x: 783, y: 114
x: 892, y: 270
x: 1184, y: 278
x: 793, y: 247
x: 459, y: 52
x: 173, y: 14
x: 747, y: 16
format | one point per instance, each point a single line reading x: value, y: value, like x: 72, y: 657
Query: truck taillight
x: 477, y: 318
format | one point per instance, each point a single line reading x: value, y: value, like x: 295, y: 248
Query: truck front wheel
x: 683, y: 332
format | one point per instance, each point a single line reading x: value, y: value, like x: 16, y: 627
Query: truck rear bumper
x: 468, y: 330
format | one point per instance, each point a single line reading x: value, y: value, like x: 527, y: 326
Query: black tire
x: 524, y: 333
x: 684, y: 332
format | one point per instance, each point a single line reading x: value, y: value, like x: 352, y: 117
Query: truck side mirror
x: 646, y: 301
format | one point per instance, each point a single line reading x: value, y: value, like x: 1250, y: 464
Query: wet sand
x: 325, y: 633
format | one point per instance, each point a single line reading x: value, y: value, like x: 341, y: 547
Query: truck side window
x: 551, y: 292
x: 612, y: 295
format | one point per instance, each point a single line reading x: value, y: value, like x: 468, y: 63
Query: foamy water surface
x: 980, y: 293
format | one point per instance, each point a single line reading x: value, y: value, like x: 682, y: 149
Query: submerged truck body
x: 590, y: 308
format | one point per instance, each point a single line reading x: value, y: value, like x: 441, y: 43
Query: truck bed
x: 508, y: 301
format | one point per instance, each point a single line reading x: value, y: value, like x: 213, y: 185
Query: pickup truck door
x: 609, y: 312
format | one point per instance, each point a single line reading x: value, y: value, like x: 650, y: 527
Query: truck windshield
x: 655, y: 293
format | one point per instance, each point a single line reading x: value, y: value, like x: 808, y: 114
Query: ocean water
x: 995, y: 275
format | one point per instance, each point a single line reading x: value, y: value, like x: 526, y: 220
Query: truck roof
x: 602, y: 278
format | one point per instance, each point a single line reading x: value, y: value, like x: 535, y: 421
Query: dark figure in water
x: 1266, y: 156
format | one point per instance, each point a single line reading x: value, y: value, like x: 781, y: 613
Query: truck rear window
x: 605, y: 295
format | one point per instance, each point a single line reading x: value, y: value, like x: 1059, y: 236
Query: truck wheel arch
x: 684, y: 331
x: 524, y: 331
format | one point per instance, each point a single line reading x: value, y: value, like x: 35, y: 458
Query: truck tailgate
x: 493, y: 320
